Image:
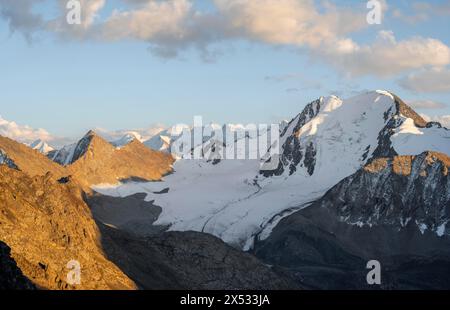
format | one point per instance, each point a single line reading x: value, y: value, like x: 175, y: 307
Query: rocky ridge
x: 47, y: 224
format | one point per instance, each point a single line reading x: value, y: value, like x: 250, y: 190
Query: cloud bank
x: 428, y: 81
x: 319, y: 28
x: 23, y: 133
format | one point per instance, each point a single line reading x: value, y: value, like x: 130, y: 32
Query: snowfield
x: 233, y: 201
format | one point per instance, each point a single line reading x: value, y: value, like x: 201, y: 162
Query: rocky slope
x: 93, y: 160
x: 11, y: 277
x: 155, y: 259
x: 396, y: 191
x: 28, y: 160
x: 330, y: 140
x: 188, y: 260
x: 394, y: 210
x: 353, y: 184
x: 47, y: 224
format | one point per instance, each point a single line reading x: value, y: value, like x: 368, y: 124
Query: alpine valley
x: 360, y: 179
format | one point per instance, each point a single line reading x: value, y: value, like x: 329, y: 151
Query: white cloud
x: 386, y: 56
x: 289, y: 22
x: 426, y: 81
x: 320, y: 27
x: 89, y: 14
x: 426, y: 104
x: 22, y: 133
x: 26, y: 134
x: 154, y: 20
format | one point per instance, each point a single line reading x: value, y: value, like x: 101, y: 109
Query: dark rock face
x: 395, y: 191
x: 82, y: 146
x: 384, y: 147
x: 310, y: 158
x: 187, y: 260
x: 407, y: 111
x: 297, y: 153
x: 5, y: 160
x: 394, y: 210
x: 11, y: 277
x: 47, y: 225
x: 155, y: 259
x: 322, y: 252
x: 292, y: 153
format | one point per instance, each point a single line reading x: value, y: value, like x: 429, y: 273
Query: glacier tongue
x: 329, y: 141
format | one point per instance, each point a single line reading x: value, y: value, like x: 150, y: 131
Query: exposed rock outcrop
x: 292, y: 151
x: 97, y: 161
x: 394, y: 210
x: 47, y: 225
x: 92, y: 161
x: 188, y: 260
x: 396, y: 191
x: 28, y: 160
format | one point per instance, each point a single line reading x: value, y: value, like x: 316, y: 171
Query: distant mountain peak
x: 161, y: 141
x: 83, y: 145
x: 126, y: 139
x: 41, y: 146
x: 369, y: 124
x: 71, y: 153
x: 91, y: 132
x: 93, y: 160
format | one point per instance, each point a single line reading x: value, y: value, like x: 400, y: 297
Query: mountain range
x: 357, y: 179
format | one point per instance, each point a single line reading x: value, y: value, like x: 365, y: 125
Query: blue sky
x: 68, y: 84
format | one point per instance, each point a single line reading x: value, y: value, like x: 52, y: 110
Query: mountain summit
x: 93, y: 160
x: 328, y: 141
x: 41, y: 146
x: 357, y: 179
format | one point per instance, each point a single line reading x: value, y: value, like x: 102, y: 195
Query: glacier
x: 331, y: 140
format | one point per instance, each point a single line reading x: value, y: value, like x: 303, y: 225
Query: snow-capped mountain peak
x: 41, y: 146
x: 161, y: 141
x: 70, y: 153
x: 329, y: 140
x: 127, y: 138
